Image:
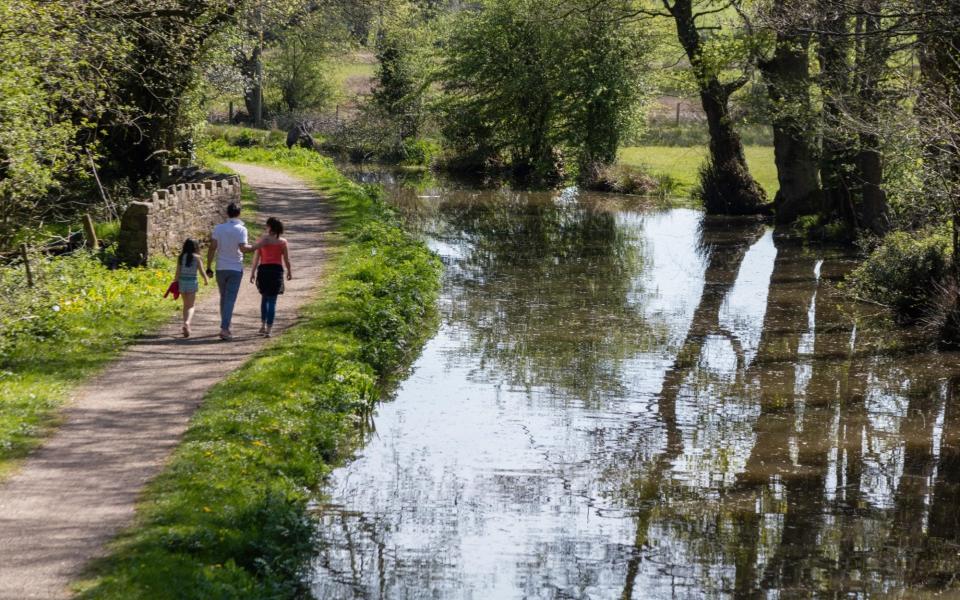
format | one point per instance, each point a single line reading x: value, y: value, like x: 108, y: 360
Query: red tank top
x: 272, y: 254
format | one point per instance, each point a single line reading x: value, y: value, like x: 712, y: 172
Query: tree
x: 795, y: 143
x: 94, y: 84
x: 58, y: 65
x: 401, y: 73
x: 299, y: 70
x: 726, y: 184
x: 531, y: 83
x: 168, y: 42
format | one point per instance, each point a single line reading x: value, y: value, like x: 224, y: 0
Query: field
x: 683, y: 164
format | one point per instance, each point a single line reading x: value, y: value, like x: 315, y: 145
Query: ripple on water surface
x: 624, y: 402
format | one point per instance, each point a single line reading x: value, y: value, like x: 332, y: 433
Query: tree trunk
x: 794, y: 143
x: 837, y: 161
x: 871, y: 61
x: 250, y: 69
x: 727, y: 186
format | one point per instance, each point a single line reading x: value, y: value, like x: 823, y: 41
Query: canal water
x: 626, y: 401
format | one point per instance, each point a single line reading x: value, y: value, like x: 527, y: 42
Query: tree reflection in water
x: 771, y: 440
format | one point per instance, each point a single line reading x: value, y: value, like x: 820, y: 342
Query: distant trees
x: 279, y: 49
x: 300, y: 69
x: 402, y: 40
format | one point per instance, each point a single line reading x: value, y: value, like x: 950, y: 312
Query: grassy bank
x: 683, y: 164
x: 228, y: 518
x: 77, y: 318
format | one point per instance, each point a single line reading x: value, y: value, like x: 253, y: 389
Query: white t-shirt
x: 229, y: 236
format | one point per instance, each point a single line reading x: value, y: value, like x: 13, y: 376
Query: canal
x: 625, y: 400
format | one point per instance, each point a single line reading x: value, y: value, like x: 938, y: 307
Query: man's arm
x: 246, y: 247
x: 211, y: 251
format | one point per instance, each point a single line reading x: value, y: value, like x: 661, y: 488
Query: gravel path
x: 74, y: 494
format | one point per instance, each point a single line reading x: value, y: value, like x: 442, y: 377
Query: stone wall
x: 160, y: 224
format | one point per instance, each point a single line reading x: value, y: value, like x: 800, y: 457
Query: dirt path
x: 79, y: 490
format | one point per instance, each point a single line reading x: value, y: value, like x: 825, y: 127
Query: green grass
x: 683, y: 164
x: 343, y: 70
x: 228, y: 518
x: 59, y: 333
x: 349, y: 74
x: 78, y: 318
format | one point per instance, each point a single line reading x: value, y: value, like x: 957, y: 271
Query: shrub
x: 245, y: 137
x: 718, y: 190
x: 667, y: 185
x: 904, y: 272
x: 623, y: 180
x: 419, y: 152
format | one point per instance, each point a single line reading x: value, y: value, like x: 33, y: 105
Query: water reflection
x: 625, y: 402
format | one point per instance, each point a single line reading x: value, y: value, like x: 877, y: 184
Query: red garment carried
x: 173, y: 289
x: 272, y: 254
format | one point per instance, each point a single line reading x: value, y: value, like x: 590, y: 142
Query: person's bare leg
x: 189, y: 300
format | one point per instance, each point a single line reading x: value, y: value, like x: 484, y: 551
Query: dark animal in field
x: 299, y: 136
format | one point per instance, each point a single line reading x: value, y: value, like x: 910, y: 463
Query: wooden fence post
x: 26, y: 264
x: 90, y: 233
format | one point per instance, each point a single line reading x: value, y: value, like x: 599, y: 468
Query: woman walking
x: 189, y: 267
x: 268, y: 263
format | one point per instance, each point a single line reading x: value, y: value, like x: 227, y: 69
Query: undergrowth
x: 228, y: 518
x: 906, y: 272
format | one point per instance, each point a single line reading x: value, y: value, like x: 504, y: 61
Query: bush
x: 718, y: 190
x: 419, y: 152
x: 245, y: 137
x: 623, y: 180
x: 904, y: 272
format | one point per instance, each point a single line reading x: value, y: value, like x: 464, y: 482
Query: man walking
x: 228, y: 242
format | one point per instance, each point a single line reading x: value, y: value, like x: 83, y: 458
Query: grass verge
x: 77, y: 317
x: 683, y: 164
x: 228, y: 517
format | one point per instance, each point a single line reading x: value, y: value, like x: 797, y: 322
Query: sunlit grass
x: 79, y: 316
x: 683, y: 164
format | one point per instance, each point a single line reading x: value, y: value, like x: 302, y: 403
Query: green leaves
x: 533, y: 83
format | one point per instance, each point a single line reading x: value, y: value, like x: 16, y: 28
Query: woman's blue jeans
x: 268, y: 309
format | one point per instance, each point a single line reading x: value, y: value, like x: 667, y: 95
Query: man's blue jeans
x: 228, y: 282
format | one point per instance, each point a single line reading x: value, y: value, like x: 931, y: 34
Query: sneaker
x: 267, y: 332
x: 263, y: 328
x: 225, y: 335
x: 186, y: 331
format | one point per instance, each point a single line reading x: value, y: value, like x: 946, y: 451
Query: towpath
x: 77, y: 491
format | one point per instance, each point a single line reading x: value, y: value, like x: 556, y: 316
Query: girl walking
x: 267, y: 272
x: 189, y: 267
